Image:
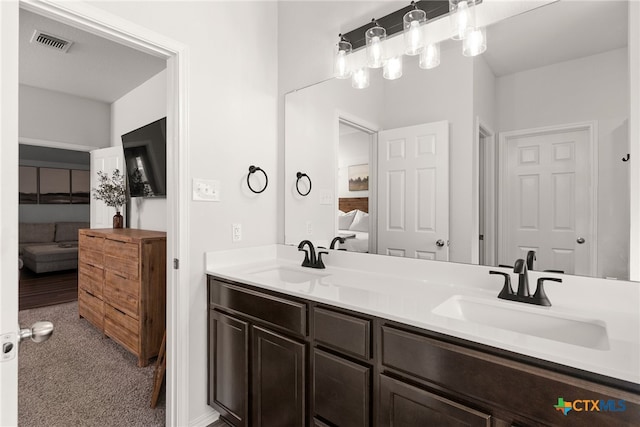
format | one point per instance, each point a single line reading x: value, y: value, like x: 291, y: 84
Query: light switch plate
x: 326, y: 197
x: 207, y: 190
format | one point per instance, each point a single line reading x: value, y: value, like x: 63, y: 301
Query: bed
x: 353, y: 223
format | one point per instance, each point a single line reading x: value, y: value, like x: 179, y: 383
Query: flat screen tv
x: 145, y: 155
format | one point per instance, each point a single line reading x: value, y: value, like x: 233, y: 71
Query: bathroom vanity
x: 362, y: 344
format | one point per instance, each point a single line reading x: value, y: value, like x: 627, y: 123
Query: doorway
x: 100, y: 23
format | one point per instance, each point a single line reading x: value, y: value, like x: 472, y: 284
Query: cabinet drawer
x: 122, y: 293
x: 290, y: 315
x: 118, y: 249
x: 121, y: 328
x: 88, y: 241
x: 341, y: 390
x: 403, y: 405
x: 90, y: 257
x: 91, y: 308
x: 127, y: 267
x: 90, y: 278
x: 343, y: 332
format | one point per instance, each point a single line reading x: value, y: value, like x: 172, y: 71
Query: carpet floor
x: 81, y: 378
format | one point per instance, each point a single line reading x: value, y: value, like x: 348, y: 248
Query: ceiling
x: 557, y: 32
x: 93, y: 67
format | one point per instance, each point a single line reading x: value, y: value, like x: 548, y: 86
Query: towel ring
x: 300, y: 175
x: 252, y: 170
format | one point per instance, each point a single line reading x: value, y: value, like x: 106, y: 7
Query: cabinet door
x: 228, y: 367
x: 341, y: 390
x: 403, y: 405
x: 278, y: 380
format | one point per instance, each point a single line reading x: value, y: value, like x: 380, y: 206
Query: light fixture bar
x: 393, y: 24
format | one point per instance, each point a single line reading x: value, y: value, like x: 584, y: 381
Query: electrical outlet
x: 236, y: 232
x: 207, y: 190
x: 309, y: 228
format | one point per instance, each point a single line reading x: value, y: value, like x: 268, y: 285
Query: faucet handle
x: 506, y: 288
x: 319, y: 263
x: 540, y: 297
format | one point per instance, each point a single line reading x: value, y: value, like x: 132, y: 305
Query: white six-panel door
x: 106, y: 160
x: 547, y: 199
x: 413, y: 191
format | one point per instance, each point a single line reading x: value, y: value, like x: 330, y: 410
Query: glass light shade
x: 475, y: 43
x: 462, y: 16
x: 392, y: 68
x: 430, y: 56
x: 374, y: 37
x: 360, y: 78
x: 413, y: 31
x: 341, y: 69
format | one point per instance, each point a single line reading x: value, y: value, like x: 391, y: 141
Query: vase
x: 118, y: 221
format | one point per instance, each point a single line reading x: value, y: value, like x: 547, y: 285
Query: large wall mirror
x: 480, y: 160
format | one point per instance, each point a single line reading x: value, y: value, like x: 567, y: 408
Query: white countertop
x: 408, y: 290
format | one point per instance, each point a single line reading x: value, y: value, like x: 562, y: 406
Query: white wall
x: 594, y: 88
x: 55, y: 116
x: 353, y: 149
x: 231, y: 124
x: 143, y: 105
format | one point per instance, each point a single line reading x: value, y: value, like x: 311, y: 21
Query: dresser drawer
x: 90, y: 278
x: 91, y: 257
x: 118, y: 249
x: 121, y: 328
x: 343, y: 332
x: 126, y: 267
x: 280, y: 312
x: 91, y: 308
x: 122, y: 293
x: 89, y: 241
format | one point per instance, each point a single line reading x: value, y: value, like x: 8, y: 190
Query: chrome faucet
x: 523, y: 293
x: 310, y: 259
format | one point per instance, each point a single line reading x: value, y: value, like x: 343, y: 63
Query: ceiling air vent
x: 48, y: 40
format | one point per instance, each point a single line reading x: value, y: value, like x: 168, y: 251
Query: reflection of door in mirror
x: 413, y: 184
x: 356, y: 188
x: 546, y: 194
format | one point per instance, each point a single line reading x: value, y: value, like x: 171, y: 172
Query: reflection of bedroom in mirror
x: 356, y: 145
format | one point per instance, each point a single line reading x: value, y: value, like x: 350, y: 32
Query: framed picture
x: 55, y: 186
x: 359, y: 177
x: 28, y: 184
x: 80, y: 186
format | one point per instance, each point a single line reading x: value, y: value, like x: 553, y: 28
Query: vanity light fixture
x: 462, y: 16
x: 374, y: 37
x: 341, y: 67
x: 475, y: 43
x: 430, y: 56
x: 392, y: 68
x: 412, y: 22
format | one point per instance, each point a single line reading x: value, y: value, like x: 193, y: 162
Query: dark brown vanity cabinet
x: 277, y: 360
x: 257, y: 357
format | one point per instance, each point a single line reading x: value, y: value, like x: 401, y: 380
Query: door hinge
x: 176, y: 263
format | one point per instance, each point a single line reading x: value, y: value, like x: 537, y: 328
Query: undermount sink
x: 532, y: 321
x: 288, y: 275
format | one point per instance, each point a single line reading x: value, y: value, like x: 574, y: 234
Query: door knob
x: 439, y: 243
x: 580, y: 240
x: 39, y: 332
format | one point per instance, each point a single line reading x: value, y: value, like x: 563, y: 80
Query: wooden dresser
x: 122, y: 286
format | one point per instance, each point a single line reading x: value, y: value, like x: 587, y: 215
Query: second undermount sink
x: 534, y: 321
x: 289, y: 275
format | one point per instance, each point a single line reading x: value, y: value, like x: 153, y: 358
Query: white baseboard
x: 205, y: 419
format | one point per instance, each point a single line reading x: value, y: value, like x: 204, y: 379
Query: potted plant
x: 111, y: 190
